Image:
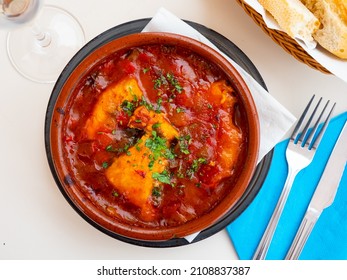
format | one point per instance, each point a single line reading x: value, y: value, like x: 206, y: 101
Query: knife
x: 324, y: 194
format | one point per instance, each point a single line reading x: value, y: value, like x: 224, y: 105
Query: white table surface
x: 36, y: 222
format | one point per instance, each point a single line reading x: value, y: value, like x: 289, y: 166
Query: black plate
x: 225, y: 46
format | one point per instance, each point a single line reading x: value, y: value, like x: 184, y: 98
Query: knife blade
x: 324, y: 194
x: 327, y: 187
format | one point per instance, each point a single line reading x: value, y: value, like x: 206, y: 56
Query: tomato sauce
x: 154, y: 136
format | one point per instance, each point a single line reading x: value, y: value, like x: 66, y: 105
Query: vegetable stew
x: 154, y: 136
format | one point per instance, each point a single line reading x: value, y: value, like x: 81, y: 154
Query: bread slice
x: 333, y: 32
x: 293, y: 17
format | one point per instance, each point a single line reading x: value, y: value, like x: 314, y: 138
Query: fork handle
x: 264, y: 243
x: 302, y: 234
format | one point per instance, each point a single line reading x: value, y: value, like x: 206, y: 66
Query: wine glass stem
x: 43, y: 39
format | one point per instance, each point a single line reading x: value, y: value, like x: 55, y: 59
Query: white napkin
x: 272, y: 115
x: 336, y: 66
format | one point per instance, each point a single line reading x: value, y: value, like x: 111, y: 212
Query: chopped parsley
x: 180, y: 175
x: 133, y: 94
x: 180, y: 110
x: 144, y: 102
x: 125, y: 149
x: 159, y: 102
x: 156, y: 192
x: 168, y: 154
x: 156, y: 125
x: 109, y: 148
x: 173, y: 81
x: 128, y: 107
x: 115, y: 194
x: 183, y: 143
x: 163, y: 177
x: 158, y: 147
x: 195, y: 166
x: 169, y: 82
x: 159, y: 82
x: 156, y: 144
x: 137, y: 145
x: 197, y: 163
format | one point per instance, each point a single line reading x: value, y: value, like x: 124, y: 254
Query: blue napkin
x: 328, y: 240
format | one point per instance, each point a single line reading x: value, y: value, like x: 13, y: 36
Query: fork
x: 299, y: 154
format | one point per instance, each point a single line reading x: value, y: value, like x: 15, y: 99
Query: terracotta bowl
x: 69, y: 187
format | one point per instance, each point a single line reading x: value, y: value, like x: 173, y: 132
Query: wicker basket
x: 282, y: 39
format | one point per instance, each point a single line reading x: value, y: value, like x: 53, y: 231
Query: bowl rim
x: 65, y: 182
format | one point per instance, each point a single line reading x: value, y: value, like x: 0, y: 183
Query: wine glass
x: 42, y: 38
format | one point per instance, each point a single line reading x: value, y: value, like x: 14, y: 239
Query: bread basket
x: 282, y: 39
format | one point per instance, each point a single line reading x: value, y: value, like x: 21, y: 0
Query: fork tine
x: 317, y: 139
x: 306, y: 132
x: 301, y: 119
x: 314, y: 129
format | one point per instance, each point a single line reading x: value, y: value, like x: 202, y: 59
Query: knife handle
x: 302, y: 234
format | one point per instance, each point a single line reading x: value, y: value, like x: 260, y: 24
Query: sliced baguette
x: 293, y: 17
x: 333, y: 32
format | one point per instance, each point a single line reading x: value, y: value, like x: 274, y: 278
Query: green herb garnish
x: 163, y: 177
x: 109, y: 148
x: 156, y: 192
x: 158, y: 147
x: 145, y: 103
x: 195, y: 166
x: 137, y: 145
x: 169, y: 81
x: 160, y: 81
x: 128, y: 107
x: 183, y: 143
x: 173, y: 81
x: 180, y: 110
x: 115, y: 194
x: 156, y: 125
x: 159, y: 102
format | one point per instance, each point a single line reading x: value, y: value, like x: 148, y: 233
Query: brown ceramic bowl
x: 69, y: 186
